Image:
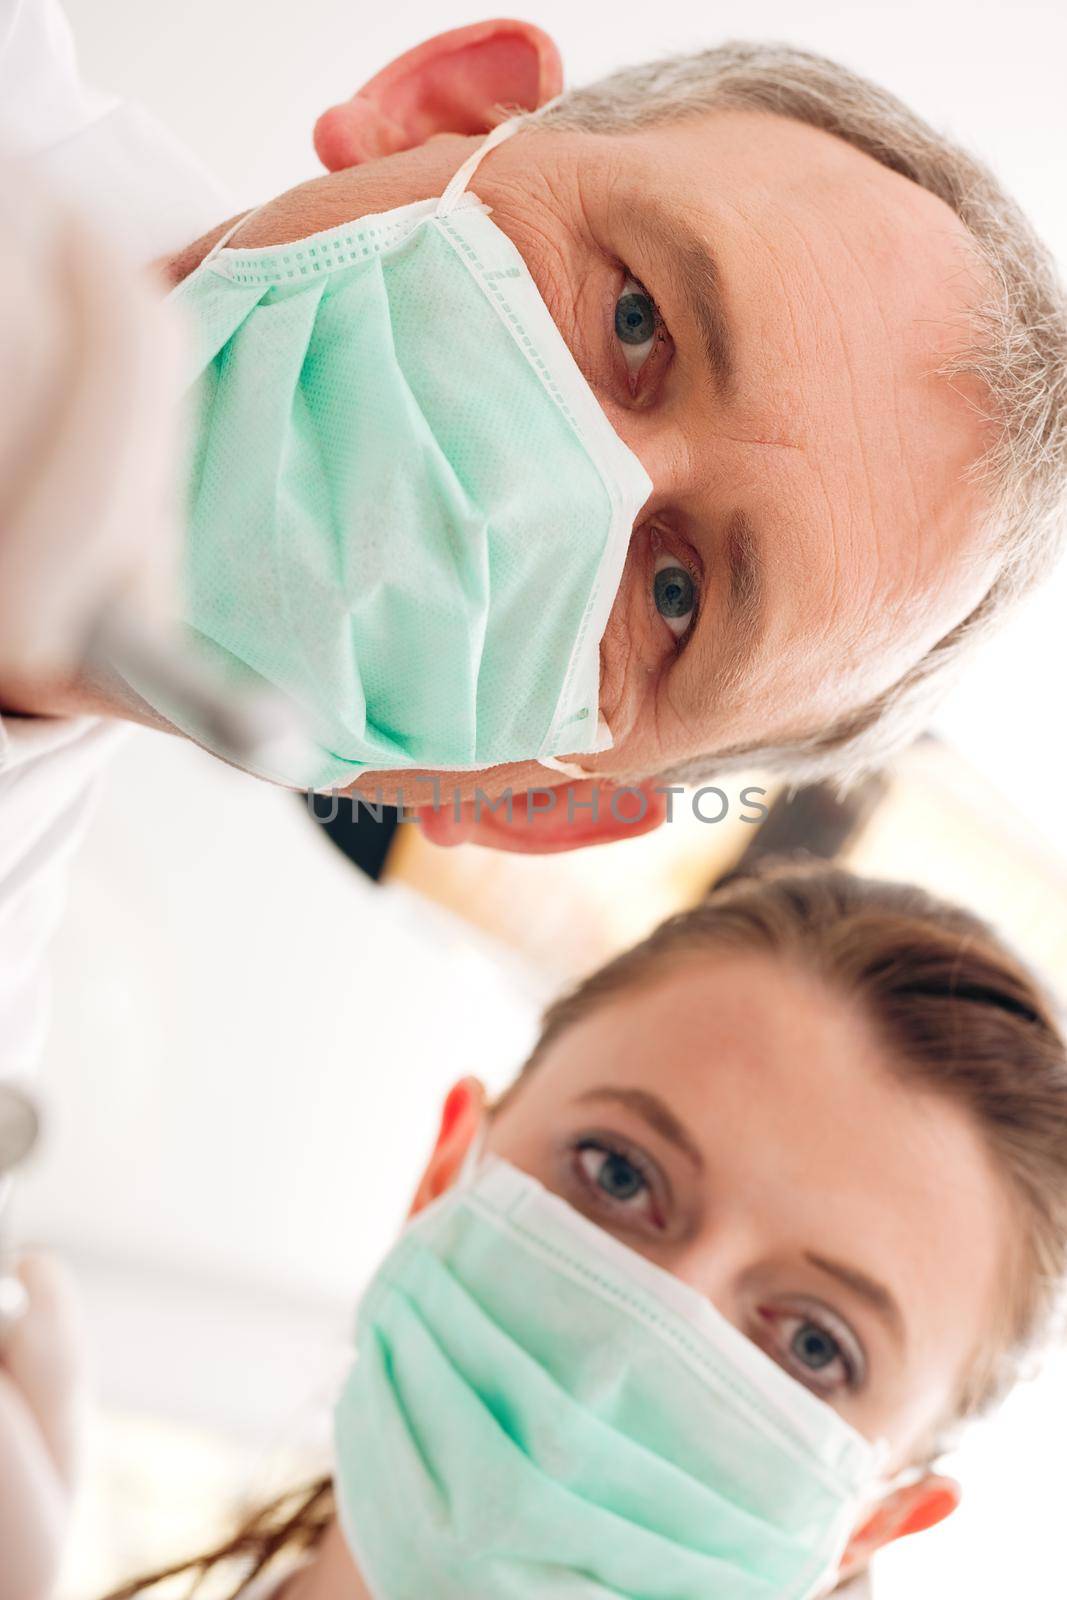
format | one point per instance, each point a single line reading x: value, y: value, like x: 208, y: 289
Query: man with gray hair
x: 832, y: 343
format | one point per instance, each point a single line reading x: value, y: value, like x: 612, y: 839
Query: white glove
x: 87, y: 362
x: 42, y: 1399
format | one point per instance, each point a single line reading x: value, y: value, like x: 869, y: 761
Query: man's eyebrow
x: 877, y: 1296
x: 727, y: 652
x: 746, y: 573
x: 651, y: 1109
x: 696, y: 279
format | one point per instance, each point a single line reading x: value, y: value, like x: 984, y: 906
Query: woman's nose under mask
x: 536, y: 1410
x: 405, y: 508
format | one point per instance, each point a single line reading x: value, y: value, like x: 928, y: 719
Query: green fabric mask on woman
x: 406, y: 508
x: 537, y: 1410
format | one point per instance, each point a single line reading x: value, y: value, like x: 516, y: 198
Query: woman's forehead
x: 801, y: 1116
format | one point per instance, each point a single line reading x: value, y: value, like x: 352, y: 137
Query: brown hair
x: 291, y: 1525
x: 962, y: 1015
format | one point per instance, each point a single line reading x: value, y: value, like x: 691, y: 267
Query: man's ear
x: 910, y: 1509
x: 546, y: 821
x: 451, y: 84
x: 461, y: 1116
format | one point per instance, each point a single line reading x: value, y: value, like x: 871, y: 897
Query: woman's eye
x: 814, y: 1354
x: 675, y: 594
x: 637, y: 325
x: 618, y: 1183
x: 813, y: 1347
x: 611, y: 1171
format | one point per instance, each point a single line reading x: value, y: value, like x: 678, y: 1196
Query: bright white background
x: 218, y: 970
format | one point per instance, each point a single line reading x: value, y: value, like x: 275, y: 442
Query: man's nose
x: 665, y: 455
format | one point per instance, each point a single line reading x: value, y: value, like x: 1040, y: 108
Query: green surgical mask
x: 406, y: 508
x: 536, y: 1410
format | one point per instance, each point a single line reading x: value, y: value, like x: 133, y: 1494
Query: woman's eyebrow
x: 877, y: 1296
x: 651, y: 1109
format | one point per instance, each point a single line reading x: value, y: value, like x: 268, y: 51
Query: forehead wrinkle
x: 908, y: 513
x: 865, y: 553
x: 891, y: 428
x: 861, y: 518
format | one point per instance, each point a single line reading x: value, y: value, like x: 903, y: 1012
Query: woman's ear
x: 910, y: 1509
x: 462, y: 1115
x: 451, y: 84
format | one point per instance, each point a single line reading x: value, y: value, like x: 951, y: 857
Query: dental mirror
x: 19, y: 1127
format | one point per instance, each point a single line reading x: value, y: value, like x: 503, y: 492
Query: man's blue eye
x: 814, y: 1347
x: 635, y: 317
x: 674, y: 593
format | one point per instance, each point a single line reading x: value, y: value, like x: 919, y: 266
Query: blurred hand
x: 87, y: 357
x: 41, y: 1398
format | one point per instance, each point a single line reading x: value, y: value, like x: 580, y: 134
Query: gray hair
x: 1019, y: 348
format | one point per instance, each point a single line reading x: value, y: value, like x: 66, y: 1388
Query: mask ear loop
x: 473, y: 1155
x: 230, y: 233
x: 569, y: 769
x: 573, y: 769
x: 457, y: 184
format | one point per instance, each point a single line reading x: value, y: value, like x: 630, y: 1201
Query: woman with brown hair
x: 777, y: 1202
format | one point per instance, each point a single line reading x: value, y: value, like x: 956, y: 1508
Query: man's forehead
x: 781, y: 152
x: 842, y: 317
x: 817, y: 200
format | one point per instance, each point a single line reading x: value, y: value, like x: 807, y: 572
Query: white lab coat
x: 150, y: 197
x: 139, y: 183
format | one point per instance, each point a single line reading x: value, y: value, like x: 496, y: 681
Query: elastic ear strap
x: 457, y: 184
x: 220, y: 244
x: 472, y: 1158
x: 574, y: 769
x: 569, y: 769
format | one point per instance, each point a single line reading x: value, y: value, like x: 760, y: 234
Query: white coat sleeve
x: 42, y: 99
